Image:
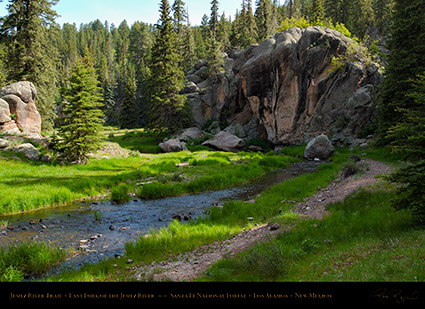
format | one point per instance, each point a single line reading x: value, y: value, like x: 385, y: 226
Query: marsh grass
x: 28, y: 258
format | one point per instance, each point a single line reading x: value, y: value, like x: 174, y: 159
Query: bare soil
x: 190, y: 265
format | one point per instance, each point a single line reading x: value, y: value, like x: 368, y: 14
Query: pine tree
x: 180, y: 15
x: 316, y: 11
x: 405, y: 62
x: 189, y: 48
x: 223, y: 32
x: 263, y: 18
x: 80, y: 128
x: 128, y: 109
x: 167, y: 105
x: 408, y: 138
x: 382, y: 13
x: 244, y: 26
x: 214, y: 48
x: 30, y: 54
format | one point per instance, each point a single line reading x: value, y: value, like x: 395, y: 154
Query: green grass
x: 27, y: 186
x: 141, y: 140
x: 31, y: 258
x: 362, y: 234
x: 205, y: 171
x: 363, y: 239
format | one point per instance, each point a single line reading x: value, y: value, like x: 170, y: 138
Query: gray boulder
x: 319, y: 148
x: 28, y: 150
x: 190, y: 87
x: 189, y: 134
x: 172, y: 145
x: 226, y: 142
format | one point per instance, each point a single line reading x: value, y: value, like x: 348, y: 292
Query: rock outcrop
x: 18, y: 112
x: 284, y: 91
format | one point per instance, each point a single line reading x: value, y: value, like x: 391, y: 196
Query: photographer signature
x: 395, y: 296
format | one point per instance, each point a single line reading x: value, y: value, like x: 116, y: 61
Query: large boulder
x: 20, y: 98
x: 319, y: 148
x: 226, y: 142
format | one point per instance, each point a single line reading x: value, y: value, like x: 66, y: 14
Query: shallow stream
x: 76, y: 226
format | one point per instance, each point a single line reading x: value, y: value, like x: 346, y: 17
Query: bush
x: 304, y: 23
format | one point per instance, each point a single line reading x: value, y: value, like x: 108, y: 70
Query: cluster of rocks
x: 284, y: 90
x: 222, y: 141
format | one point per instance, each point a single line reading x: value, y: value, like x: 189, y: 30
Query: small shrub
x: 350, y: 169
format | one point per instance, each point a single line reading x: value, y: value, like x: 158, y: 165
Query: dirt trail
x: 190, y: 265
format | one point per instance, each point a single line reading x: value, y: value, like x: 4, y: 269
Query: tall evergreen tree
x: 179, y: 15
x: 405, y: 62
x: 408, y: 138
x: 263, y: 18
x: 382, y: 13
x: 128, y: 109
x: 316, y: 11
x: 223, y: 32
x: 167, y: 105
x: 244, y: 27
x: 30, y: 54
x: 80, y: 128
x: 214, y: 18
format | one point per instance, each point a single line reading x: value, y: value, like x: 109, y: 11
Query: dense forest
x: 124, y: 54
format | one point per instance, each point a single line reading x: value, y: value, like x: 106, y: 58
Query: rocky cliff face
x: 283, y: 90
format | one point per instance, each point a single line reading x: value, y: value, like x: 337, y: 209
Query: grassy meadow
x: 363, y: 238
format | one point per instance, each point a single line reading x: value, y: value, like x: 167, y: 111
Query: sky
x: 115, y: 11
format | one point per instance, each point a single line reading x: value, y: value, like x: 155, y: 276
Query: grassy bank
x: 27, y: 186
x: 363, y: 239
x: 220, y: 225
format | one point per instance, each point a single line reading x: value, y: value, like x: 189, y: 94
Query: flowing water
x: 100, y: 230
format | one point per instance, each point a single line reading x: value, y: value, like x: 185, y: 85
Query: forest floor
x: 190, y: 265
